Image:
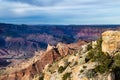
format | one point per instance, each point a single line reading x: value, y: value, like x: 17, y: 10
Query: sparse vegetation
x: 91, y: 73
x: 89, y: 47
x: 103, y: 60
x: 87, y: 59
x: 38, y: 77
x: 117, y: 73
x: 75, y: 63
x: 1, y: 71
x: 66, y: 75
x: 84, y: 66
x: 106, y: 63
x: 81, y: 71
x: 116, y: 59
x: 41, y: 77
x: 61, y: 68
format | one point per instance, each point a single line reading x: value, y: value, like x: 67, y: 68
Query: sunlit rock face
x: 111, y: 41
x: 27, y: 69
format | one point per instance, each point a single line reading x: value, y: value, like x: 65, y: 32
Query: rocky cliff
x: 25, y: 39
x: 75, y: 67
x: 76, y: 61
x: 93, y: 61
x: 28, y: 69
x: 111, y: 42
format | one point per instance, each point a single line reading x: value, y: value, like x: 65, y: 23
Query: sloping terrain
x: 29, y: 68
x: 90, y: 62
x: 19, y: 42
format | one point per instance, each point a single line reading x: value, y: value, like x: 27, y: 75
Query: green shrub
x: 116, y: 71
x: 105, y: 61
x: 99, y: 42
x: 84, y: 66
x: 101, y: 68
x: 87, y: 59
x: 75, y: 63
x: 91, y: 73
x: 89, y: 47
x: 66, y: 75
x: 41, y: 77
x: 116, y: 60
x: 61, y: 69
x: 81, y: 71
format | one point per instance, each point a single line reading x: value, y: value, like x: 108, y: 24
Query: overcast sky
x: 60, y: 11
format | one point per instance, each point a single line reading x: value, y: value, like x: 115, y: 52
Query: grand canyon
x: 25, y: 50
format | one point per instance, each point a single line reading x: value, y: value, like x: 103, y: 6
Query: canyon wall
x: 37, y: 64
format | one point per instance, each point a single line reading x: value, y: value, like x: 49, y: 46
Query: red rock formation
x: 76, y: 45
x: 48, y: 57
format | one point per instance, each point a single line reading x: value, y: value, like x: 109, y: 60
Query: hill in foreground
x: 97, y: 60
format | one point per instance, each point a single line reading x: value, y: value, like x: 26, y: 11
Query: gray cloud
x: 62, y: 11
x: 37, y: 2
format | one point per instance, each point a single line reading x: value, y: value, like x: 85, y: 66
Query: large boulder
x: 111, y: 42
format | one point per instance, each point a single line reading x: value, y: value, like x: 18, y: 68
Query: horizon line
x: 54, y: 24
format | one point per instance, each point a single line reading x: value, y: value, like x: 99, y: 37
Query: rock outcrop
x: 28, y: 69
x: 111, y: 42
x: 49, y: 47
x: 75, y: 67
x: 64, y: 49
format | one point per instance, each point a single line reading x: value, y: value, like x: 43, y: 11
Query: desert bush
x: 84, y: 66
x: 116, y: 59
x: 75, y: 63
x: 89, y: 46
x: 91, y: 73
x: 81, y: 70
x: 96, y: 55
x: 61, y: 69
x: 41, y: 77
x: 66, y: 75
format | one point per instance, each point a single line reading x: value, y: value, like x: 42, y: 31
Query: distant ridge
x: 88, y: 25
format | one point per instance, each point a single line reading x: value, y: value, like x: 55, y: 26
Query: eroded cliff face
x: 27, y: 70
x: 25, y: 39
x: 111, y: 42
x: 75, y: 67
x: 90, y: 62
x: 69, y: 61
